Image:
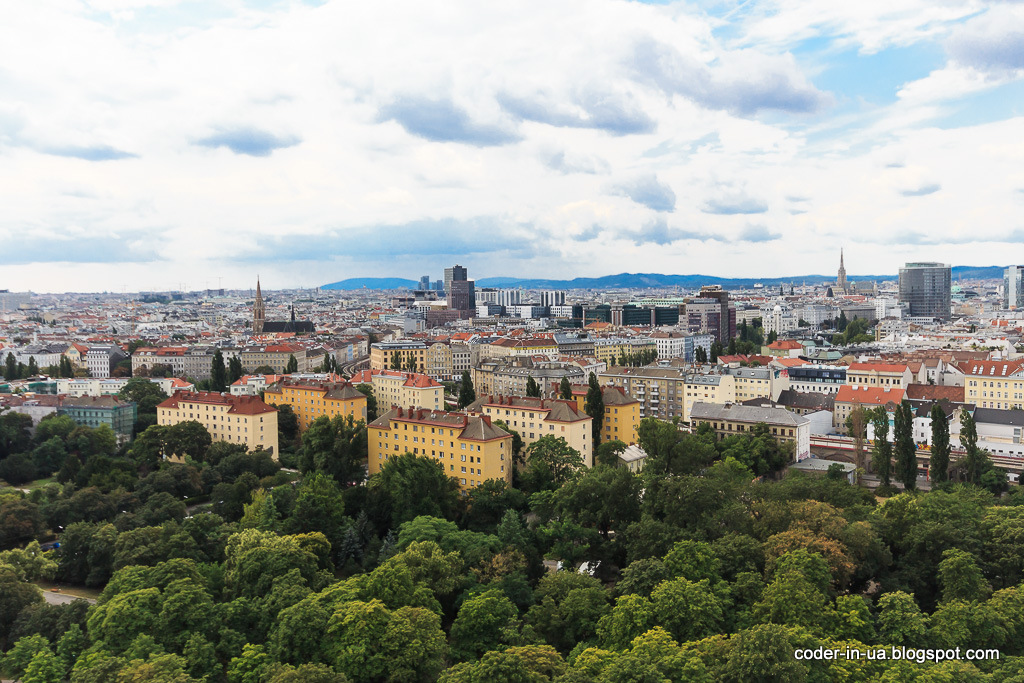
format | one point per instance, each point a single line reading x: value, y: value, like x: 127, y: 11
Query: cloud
x: 25, y: 248
x: 992, y: 41
x: 441, y: 120
x: 658, y: 231
x: 250, y: 141
x: 743, y: 82
x: 610, y: 112
x: 734, y: 203
x: 98, y: 153
x: 926, y: 189
x: 569, y: 162
x: 648, y: 191
x: 426, y: 237
x: 758, y: 233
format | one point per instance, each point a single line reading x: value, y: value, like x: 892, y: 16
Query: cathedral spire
x: 841, y: 280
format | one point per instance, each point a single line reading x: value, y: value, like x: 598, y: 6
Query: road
x: 62, y: 598
x: 350, y: 368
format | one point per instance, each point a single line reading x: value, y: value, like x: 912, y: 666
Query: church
x: 260, y: 325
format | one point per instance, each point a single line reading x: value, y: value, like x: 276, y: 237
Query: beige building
x: 235, y: 419
x: 469, y: 448
x: 501, y: 376
x: 537, y: 417
x: 994, y: 384
x: 406, y: 389
x: 275, y: 356
x: 785, y: 427
x: 660, y: 391
x: 885, y: 375
x: 608, y: 350
x: 396, y: 355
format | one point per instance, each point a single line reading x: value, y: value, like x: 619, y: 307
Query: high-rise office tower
x: 1013, y: 297
x: 711, y: 313
x: 460, y: 291
x: 456, y: 272
x: 424, y: 283
x: 925, y: 288
x: 552, y: 298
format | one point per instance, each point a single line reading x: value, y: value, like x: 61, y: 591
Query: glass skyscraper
x: 925, y: 288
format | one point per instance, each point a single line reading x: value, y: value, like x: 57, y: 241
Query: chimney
x: 399, y: 411
x: 486, y: 419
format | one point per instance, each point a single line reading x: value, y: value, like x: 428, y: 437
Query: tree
x: 975, y: 461
x: 904, y: 447
x: 408, y: 486
x: 632, y: 616
x: 292, y: 366
x: 961, y: 578
x: 484, y: 623
x: 218, y: 373
x: 938, y: 467
x: 565, y: 389
x: 531, y: 387
x: 371, y: 401
x: 689, y: 610
x: 336, y: 446
x: 842, y: 322
x: 144, y: 394
x: 773, y: 337
x: 319, y: 506
x: 700, y: 355
x: 466, y: 392
x: 900, y: 621
x: 550, y: 462
x: 881, y: 458
x: 10, y: 367
x: 594, y: 407
x: 33, y: 367
x: 858, y: 426
x: 235, y: 369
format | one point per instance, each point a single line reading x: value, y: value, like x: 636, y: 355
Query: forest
x: 708, y: 565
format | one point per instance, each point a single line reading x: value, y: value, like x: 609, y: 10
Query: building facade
x: 786, y: 427
x: 926, y: 289
x: 1013, y: 293
x: 93, y: 411
x: 469, y: 448
x: 311, y: 399
x: 243, y: 420
x: 534, y: 418
x: 392, y: 388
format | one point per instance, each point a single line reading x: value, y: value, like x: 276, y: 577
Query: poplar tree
x: 595, y: 408
x: 467, y: 394
x: 903, y: 442
x: 218, y: 373
x: 881, y: 456
x: 565, y: 389
x: 938, y: 467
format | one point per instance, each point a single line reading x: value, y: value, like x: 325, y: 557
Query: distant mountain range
x: 653, y: 280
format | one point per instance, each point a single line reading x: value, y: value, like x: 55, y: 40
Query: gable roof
x: 876, y: 396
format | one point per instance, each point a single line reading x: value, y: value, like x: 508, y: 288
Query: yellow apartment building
x: 407, y: 389
x: 621, y: 412
x: 468, y: 447
x: 878, y: 375
x: 273, y: 355
x: 235, y: 419
x: 311, y: 399
x: 537, y: 417
x: 993, y: 384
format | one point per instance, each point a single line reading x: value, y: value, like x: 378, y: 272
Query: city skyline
x: 200, y: 144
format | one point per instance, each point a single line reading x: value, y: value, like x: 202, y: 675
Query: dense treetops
x: 222, y: 566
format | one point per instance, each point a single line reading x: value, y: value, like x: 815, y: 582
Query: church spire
x: 259, y: 313
x: 841, y: 280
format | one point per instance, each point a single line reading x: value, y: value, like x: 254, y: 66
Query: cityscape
x: 602, y: 341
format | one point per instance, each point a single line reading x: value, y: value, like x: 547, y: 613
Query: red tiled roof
x: 875, y: 396
x: 243, y: 405
x: 932, y: 392
x: 785, y: 345
x: 990, y: 368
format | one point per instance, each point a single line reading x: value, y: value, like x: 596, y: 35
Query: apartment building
x: 537, y: 417
x: 236, y: 419
x: 397, y: 355
x: 621, y: 412
x: 274, y: 356
x: 879, y: 375
x: 849, y: 397
x: 660, y: 391
x: 823, y: 379
x: 311, y: 399
x: 785, y: 427
x: 93, y: 411
x: 993, y: 384
x: 393, y: 388
x: 102, y: 358
x: 469, y: 448
x: 146, y: 357
x: 499, y: 376
x: 89, y: 386
x: 611, y: 349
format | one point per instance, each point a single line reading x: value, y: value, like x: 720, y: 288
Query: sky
x: 166, y: 144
